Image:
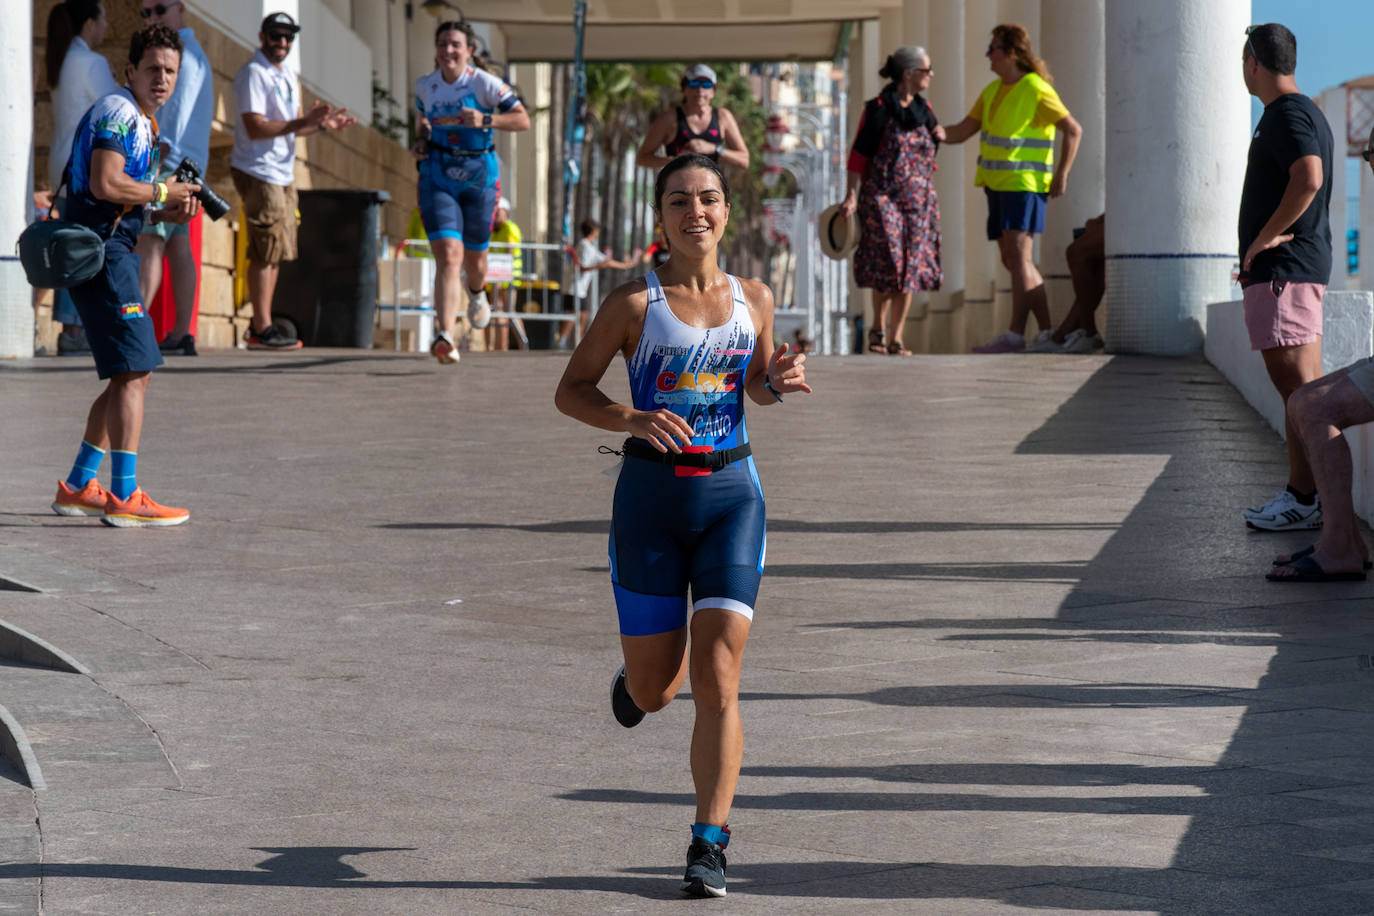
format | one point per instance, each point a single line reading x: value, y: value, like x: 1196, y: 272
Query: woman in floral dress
x: 892, y: 186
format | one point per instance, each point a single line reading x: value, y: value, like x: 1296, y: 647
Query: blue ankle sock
x: 123, y: 473
x: 87, y: 463
x: 712, y: 834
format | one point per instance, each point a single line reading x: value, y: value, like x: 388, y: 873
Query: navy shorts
x: 671, y: 533
x: 1021, y: 210
x: 458, y: 197
x: 117, y: 325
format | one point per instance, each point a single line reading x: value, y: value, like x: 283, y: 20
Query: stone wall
x: 359, y: 157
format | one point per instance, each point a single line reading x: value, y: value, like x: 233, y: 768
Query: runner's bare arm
x: 735, y: 152
x: 660, y: 132
x: 615, y: 329
x: 784, y: 372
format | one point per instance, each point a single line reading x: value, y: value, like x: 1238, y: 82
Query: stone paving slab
x: 1014, y: 651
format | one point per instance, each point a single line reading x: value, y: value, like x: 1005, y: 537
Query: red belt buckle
x: 682, y: 470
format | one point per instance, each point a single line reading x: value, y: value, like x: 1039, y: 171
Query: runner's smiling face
x: 693, y: 211
x: 451, y: 51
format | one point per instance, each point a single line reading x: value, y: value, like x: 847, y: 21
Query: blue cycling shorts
x: 118, y: 327
x: 458, y: 197
x: 670, y: 534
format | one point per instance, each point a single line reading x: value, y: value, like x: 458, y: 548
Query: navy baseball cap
x: 279, y: 22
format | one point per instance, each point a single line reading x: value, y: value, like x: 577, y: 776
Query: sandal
x: 877, y: 341
x: 896, y: 349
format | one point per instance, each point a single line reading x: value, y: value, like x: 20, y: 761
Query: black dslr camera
x: 189, y: 173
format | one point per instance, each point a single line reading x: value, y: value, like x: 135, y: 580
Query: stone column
x: 980, y: 256
x: 1074, y: 31
x: 947, y: 49
x: 1025, y: 13
x: 1178, y: 163
x: 915, y: 31
x: 16, y: 178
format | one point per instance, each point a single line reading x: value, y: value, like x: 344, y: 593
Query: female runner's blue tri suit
x: 459, y: 185
x: 675, y: 527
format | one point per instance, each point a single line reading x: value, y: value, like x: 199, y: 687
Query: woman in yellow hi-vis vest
x: 1018, y: 115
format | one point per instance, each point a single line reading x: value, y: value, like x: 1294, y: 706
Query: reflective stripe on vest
x: 1013, y: 153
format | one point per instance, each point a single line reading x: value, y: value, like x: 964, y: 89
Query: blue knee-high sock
x: 87, y: 463
x: 123, y: 473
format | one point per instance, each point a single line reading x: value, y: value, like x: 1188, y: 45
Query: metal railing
x: 531, y: 292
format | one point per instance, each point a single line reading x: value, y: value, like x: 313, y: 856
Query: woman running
x: 458, y: 106
x: 688, y: 509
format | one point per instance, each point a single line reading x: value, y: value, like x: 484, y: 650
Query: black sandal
x: 877, y: 341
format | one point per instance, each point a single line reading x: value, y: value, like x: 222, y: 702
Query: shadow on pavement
x: 1278, y: 824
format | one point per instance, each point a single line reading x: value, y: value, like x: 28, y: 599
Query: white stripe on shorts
x: 725, y: 604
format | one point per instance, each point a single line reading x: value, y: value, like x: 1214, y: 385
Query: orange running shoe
x: 139, y: 511
x: 89, y: 500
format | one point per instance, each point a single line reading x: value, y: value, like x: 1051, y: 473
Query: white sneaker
x: 1285, y: 513
x: 1043, y: 343
x: 1081, y: 342
x: 444, y: 349
x: 479, y: 310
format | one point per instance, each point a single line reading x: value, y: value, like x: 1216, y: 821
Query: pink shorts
x: 1283, y: 314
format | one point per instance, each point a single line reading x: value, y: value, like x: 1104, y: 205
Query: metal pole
x: 574, y: 129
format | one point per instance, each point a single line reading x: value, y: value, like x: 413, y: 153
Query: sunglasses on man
x: 274, y: 37
x: 1364, y: 154
x: 158, y: 9
x: 698, y: 84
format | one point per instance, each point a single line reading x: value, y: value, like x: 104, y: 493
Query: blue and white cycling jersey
x: 115, y: 123
x: 440, y: 103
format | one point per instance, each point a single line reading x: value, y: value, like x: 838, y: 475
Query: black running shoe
x: 271, y: 338
x: 182, y: 346
x: 705, y: 875
x: 626, y: 712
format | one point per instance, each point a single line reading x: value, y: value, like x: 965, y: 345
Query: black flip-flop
x: 1307, y: 552
x: 1308, y: 570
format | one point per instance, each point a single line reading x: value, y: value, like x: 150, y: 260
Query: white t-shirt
x: 264, y: 88
x: 587, y: 256
x: 184, y: 120
x: 85, y: 78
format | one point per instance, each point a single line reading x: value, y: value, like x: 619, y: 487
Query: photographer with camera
x: 112, y: 172
x: 268, y: 98
x: 184, y: 126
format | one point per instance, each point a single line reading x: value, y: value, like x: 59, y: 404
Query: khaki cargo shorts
x: 269, y: 212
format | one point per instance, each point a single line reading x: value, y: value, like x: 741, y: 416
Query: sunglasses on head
x: 698, y: 84
x: 287, y: 37
x: 158, y: 9
x: 1364, y: 154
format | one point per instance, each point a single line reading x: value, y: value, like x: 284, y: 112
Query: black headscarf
x: 878, y: 112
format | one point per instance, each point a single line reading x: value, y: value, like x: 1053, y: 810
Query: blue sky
x: 1333, y: 38
x: 1333, y: 46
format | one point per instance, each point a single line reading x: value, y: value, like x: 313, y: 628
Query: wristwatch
x: 486, y: 119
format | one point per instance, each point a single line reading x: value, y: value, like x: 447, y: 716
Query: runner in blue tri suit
x: 688, y: 511
x: 458, y: 106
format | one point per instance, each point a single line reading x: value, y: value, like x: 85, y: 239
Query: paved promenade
x: 1014, y: 651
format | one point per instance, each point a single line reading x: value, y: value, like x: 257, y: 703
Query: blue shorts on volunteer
x: 458, y: 197
x: 1022, y: 211
x: 671, y: 533
x: 118, y: 327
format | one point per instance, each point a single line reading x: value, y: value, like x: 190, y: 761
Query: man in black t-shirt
x: 1285, y: 249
